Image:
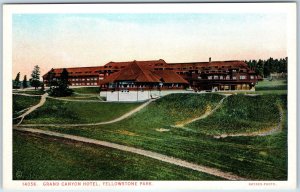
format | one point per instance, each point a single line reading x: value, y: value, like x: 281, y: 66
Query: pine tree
x: 25, y: 82
x: 35, y: 77
x: 61, y: 88
x: 64, y: 79
x: 17, y: 83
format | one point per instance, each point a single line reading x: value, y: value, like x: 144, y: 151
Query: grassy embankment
x: 242, y: 114
x: 39, y: 157
x: 21, y: 102
x: 60, y: 112
x: 251, y: 157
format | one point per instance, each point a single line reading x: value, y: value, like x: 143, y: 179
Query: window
x: 221, y: 77
x: 216, y: 77
x: 251, y: 76
x: 243, y: 77
x: 88, y: 83
x: 233, y: 70
x: 209, y: 77
x: 234, y: 78
x: 227, y: 77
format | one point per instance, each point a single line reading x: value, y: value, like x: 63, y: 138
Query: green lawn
x: 81, y: 97
x: 272, y: 87
x: 60, y: 112
x: 30, y: 92
x: 87, y: 90
x: 240, y: 114
x: 21, y: 102
x: 261, y: 158
x: 38, y: 157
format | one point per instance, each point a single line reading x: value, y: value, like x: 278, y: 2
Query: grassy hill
x: 240, y: 114
x: 262, y: 158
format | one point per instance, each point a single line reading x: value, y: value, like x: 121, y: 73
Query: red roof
x: 214, y: 64
x: 139, y: 71
x: 77, y: 71
x: 170, y: 76
x: 150, y: 63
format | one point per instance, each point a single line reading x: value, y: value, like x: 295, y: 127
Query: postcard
x: 149, y: 96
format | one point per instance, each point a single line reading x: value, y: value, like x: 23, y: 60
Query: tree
x: 265, y: 67
x: 42, y: 87
x: 61, y: 87
x: 35, y: 77
x: 17, y: 83
x: 50, y: 77
x: 64, y: 79
x: 25, y: 82
x: 260, y: 68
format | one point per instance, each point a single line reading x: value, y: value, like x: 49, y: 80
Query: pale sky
x: 74, y: 40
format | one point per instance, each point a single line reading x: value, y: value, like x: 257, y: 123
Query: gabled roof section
x: 168, y: 76
x: 120, y: 65
x: 138, y: 71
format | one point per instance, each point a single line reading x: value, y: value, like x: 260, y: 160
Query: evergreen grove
x: 265, y: 67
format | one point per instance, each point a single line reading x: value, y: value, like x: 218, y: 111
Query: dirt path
x: 31, y: 109
x: 146, y: 153
x: 266, y: 132
x: 206, y: 114
x: 126, y: 115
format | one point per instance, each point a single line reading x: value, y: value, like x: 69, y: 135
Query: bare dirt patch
x: 162, y: 130
x: 124, y: 132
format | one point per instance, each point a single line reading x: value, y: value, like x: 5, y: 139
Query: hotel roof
x: 139, y: 71
x: 77, y: 71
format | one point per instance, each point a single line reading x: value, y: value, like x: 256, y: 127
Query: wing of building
x: 78, y: 76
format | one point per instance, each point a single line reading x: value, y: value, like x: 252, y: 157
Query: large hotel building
x: 157, y: 74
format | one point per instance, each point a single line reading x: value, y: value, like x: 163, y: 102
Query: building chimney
x: 210, y: 59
